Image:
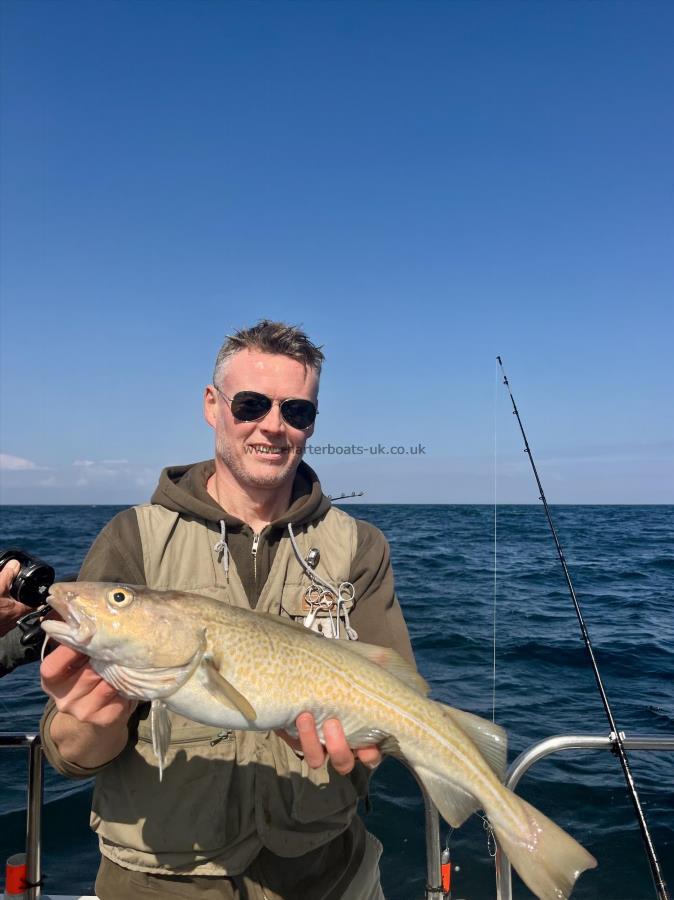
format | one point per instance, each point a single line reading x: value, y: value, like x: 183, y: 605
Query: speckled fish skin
x: 237, y: 669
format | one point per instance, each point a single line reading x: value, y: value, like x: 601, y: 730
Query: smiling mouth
x: 268, y: 450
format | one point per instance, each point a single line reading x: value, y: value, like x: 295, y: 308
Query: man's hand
x: 81, y: 692
x: 10, y: 609
x: 90, y: 727
x: 342, y: 757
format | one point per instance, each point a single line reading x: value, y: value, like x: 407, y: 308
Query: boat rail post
x: 34, y: 817
x: 532, y: 754
x: 34, y: 789
x: 434, y: 889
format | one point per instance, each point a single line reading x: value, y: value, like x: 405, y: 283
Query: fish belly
x: 194, y: 701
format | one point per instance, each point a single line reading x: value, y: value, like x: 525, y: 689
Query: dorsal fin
x: 391, y: 661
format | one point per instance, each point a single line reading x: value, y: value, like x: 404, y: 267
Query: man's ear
x: 210, y: 401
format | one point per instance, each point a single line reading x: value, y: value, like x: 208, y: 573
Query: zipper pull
x: 253, y: 550
x: 221, y: 736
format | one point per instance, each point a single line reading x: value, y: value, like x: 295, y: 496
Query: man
x: 12, y: 652
x: 240, y: 814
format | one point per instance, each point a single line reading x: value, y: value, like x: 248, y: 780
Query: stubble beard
x: 272, y: 478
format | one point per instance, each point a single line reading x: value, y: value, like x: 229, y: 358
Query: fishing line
x: 491, y: 837
x: 618, y: 748
x: 493, y: 693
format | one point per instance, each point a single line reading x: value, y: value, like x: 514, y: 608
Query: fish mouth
x: 75, y: 627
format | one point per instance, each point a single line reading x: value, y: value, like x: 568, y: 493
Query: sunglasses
x: 249, y: 406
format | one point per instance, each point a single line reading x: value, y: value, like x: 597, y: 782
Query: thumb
x: 8, y: 574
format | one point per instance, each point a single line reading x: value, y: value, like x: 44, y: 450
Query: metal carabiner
x: 345, y: 596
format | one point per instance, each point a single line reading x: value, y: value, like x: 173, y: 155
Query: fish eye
x: 120, y: 597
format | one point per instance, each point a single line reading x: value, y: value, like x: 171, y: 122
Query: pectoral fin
x: 161, y: 732
x: 224, y: 692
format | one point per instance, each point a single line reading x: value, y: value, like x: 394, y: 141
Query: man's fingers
x: 314, y: 754
x: 10, y: 613
x: 7, y: 575
x: 369, y: 756
x: 341, y: 755
x: 99, y: 705
x: 72, y: 688
x: 62, y: 662
x: 81, y: 692
x: 85, y: 696
x: 10, y: 609
x: 113, y: 712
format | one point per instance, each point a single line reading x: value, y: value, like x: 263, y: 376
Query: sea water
x: 470, y: 579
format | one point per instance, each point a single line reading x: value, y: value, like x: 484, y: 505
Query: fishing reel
x: 30, y: 587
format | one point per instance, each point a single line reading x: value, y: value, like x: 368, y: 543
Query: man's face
x: 266, y: 453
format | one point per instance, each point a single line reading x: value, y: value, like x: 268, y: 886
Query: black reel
x: 30, y: 587
x: 35, y: 577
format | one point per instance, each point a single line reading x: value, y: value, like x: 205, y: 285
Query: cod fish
x: 238, y: 669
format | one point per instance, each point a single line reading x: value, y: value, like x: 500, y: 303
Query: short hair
x: 270, y: 337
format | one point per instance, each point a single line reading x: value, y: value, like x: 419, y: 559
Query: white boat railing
x: 554, y: 745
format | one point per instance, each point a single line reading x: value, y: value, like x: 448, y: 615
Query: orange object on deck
x: 446, y: 871
x: 15, y: 875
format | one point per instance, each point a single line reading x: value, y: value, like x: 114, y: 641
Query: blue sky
x: 421, y: 185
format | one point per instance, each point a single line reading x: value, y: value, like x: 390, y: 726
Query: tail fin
x: 550, y: 861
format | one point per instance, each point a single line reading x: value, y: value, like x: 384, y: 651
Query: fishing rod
x: 616, y: 737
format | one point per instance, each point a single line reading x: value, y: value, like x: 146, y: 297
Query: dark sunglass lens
x: 247, y: 406
x: 299, y: 413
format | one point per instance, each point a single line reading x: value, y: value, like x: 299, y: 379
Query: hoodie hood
x: 183, y: 490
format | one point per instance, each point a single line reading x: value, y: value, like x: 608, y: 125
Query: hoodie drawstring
x: 221, y: 547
